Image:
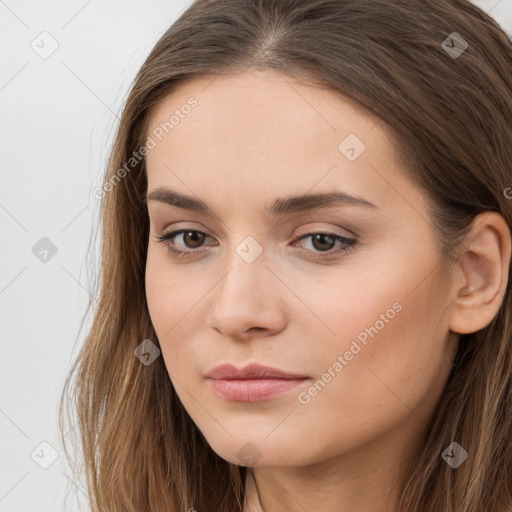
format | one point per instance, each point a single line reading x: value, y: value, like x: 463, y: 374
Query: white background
x: 57, y: 122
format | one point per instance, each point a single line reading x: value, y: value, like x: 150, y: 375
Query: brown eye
x: 322, y: 241
x: 193, y: 239
x: 326, y: 243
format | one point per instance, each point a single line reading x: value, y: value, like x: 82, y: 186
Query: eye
x: 190, y: 236
x: 322, y: 242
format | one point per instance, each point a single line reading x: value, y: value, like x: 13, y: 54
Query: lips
x: 253, y: 382
x: 252, y: 371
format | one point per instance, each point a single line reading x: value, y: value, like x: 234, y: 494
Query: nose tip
x: 241, y: 308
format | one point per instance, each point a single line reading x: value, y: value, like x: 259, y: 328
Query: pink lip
x: 252, y: 383
x: 251, y: 371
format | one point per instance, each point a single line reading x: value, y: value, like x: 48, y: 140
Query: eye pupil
x: 322, y: 237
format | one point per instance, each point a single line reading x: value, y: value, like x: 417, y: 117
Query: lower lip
x: 253, y: 390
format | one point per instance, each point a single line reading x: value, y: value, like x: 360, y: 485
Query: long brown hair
x: 449, y: 108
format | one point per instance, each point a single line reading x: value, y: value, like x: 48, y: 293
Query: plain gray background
x: 58, y: 116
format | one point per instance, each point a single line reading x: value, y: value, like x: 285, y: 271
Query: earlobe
x: 484, y: 270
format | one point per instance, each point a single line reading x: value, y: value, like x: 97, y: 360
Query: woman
x: 304, y: 297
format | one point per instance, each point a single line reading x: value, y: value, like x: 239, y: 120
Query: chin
x: 256, y: 453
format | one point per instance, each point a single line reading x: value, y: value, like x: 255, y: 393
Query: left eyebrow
x: 280, y: 206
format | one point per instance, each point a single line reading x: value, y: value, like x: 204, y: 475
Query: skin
x: 256, y: 136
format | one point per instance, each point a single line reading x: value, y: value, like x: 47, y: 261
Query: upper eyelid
x: 175, y: 232
x: 313, y: 230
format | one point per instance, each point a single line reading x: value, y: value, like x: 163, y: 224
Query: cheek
x: 174, y: 300
x: 171, y: 293
x: 393, y: 319
x: 389, y: 356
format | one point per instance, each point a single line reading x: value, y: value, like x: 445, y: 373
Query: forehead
x: 262, y: 134
x: 263, y: 110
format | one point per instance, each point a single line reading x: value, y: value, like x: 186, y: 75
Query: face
x: 342, y: 292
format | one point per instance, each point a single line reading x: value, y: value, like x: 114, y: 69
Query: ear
x: 483, y: 270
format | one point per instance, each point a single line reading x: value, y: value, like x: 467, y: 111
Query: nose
x: 246, y: 302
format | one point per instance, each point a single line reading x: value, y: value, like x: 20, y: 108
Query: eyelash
x: 348, y: 243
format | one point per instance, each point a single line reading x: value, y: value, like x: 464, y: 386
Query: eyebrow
x: 280, y: 207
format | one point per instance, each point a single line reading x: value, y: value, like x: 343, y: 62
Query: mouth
x: 253, y: 390
x: 252, y: 383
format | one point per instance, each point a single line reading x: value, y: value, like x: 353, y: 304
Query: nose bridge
x: 240, y: 301
x: 245, y: 302
x: 245, y: 277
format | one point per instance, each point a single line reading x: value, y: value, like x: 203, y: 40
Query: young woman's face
x: 345, y: 294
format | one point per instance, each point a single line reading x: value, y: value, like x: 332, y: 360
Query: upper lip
x: 251, y: 371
